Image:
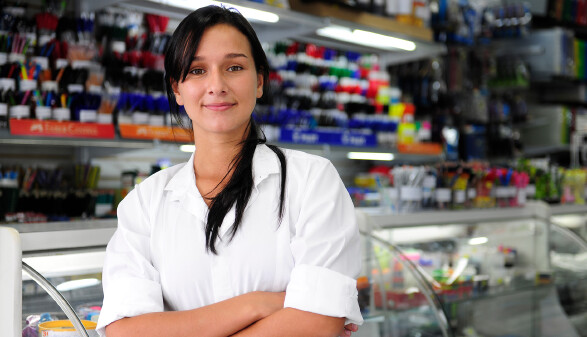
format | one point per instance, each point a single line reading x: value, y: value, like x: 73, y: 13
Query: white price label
x: 504, y: 192
x: 471, y: 193
x: 409, y: 193
x: 429, y: 182
x: 530, y: 190
x: 522, y: 197
x: 443, y: 194
x: 139, y: 117
x: 460, y: 196
x: 88, y: 116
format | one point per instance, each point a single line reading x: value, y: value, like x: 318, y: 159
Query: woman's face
x: 222, y: 85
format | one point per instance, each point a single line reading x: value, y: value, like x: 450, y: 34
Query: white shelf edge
x: 568, y: 209
x: 427, y: 218
x: 65, y: 235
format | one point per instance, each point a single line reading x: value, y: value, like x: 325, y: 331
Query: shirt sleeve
x: 326, y: 250
x: 131, y: 283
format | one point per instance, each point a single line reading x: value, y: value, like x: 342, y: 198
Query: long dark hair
x: 178, y: 58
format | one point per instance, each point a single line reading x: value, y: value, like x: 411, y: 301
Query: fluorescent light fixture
x: 370, y: 156
x: 247, y: 12
x: 365, y: 38
x: 78, y: 284
x: 187, y: 148
x: 478, y: 241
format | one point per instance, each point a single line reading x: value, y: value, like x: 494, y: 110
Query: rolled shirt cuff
x: 132, y: 297
x: 323, y: 291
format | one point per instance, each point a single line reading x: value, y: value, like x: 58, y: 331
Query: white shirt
x: 157, y: 259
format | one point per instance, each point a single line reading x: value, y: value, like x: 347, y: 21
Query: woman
x: 245, y: 239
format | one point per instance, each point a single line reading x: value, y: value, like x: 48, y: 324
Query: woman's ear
x: 259, y: 85
x: 175, y: 89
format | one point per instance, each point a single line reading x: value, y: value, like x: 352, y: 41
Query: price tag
x: 409, y: 193
x: 3, y: 109
x: 504, y: 192
x: 104, y: 119
x: 429, y: 182
x: 157, y: 120
x: 443, y: 194
x: 87, y: 115
x: 43, y: 112
x: 521, y: 197
x: 392, y: 192
x: 460, y: 196
x: 530, y: 190
x: 471, y: 193
x: 139, y: 117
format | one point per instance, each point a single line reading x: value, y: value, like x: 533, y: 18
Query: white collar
x: 265, y: 163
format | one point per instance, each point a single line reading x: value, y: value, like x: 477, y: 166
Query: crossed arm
x: 253, y: 314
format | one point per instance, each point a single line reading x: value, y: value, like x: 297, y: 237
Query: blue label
x: 331, y: 137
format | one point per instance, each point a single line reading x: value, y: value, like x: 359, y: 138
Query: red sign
x: 33, y: 127
x: 165, y: 133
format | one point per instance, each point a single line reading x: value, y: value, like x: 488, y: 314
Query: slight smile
x: 219, y: 106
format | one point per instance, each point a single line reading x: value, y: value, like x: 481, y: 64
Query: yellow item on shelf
x: 64, y: 328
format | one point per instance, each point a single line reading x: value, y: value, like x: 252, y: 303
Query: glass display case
x: 490, y: 269
x: 70, y: 256
x: 568, y: 256
x: 496, y: 272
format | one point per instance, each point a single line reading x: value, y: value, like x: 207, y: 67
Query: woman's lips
x: 219, y: 106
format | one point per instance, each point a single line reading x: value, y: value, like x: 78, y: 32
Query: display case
x: 70, y: 255
x: 568, y: 255
x: 497, y: 272
x: 490, y: 269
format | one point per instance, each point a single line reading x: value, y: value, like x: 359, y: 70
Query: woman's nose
x: 216, y: 83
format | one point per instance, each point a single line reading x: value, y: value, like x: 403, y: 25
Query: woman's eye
x: 235, y: 68
x: 197, y: 71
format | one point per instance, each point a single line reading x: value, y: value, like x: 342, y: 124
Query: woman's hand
x: 349, y: 329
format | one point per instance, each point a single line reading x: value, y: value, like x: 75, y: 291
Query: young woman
x: 245, y: 239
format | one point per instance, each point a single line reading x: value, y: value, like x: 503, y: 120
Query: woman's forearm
x: 216, y: 320
x: 292, y: 322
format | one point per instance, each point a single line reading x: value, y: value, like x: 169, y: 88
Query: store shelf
x: 568, y: 209
x: 7, y: 139
x: 427, y: 218
x: 533, y: 151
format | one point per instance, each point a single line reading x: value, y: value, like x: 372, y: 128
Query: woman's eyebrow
x: 227, y: 56
x: 235, y: 55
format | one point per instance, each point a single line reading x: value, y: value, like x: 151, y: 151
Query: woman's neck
x: 212, y: 160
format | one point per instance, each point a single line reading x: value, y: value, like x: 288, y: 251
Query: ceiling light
x: 370, y: 156
x: 366, y: 38
x: 187, y: 148
x: 247, y: 12
x: 78, y: 284
x: 478, y: 241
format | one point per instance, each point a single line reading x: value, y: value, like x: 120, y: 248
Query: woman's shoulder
x: 303, y: 158
x: 158, y: 181
x: 304, y: 163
